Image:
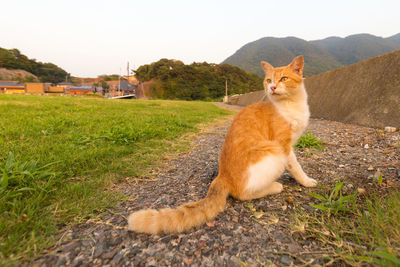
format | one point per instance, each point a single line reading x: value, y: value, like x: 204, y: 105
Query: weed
x: 309, y: 141
x: 334, y: 202
x: 368, y: 233
x: 378, y: 179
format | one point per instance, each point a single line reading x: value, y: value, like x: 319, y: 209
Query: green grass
x: 309, y: 141
x: 59, y: 155
x: 363, y: 230
x: 334, y: 202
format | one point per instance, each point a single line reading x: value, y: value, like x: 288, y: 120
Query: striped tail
x: 184, y: 217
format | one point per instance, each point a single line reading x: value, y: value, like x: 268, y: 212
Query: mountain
x: 12, y: 59
x: 355, y: 48
x: 319, y: 55
x: 280, y: 51
x: 394, y: 38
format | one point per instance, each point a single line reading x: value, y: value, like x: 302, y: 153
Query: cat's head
x: 283, y: 82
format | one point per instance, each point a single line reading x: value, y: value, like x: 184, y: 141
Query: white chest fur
x: 296, y: 113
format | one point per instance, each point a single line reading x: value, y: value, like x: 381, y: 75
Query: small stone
x: 349, y: 186
x: 370, y: 168
x: 366, y: 146
x: 390, y: 129
x: 117, y: 258
x: 290, y: 200
x: 71, y: 246
x: 361, y: 191
x: 99, y: 235
x: 210, y: 224
x: 98, y: 250
x: 341, y: 166
x: 233, y: 261
x: 188, y: 261
x: 77, y: 261
x: 286, y: 260
x: 109, y: 255
x: 61, y: 261
x: 115, y: 241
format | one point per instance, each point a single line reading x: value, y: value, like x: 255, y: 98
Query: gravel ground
x: 235, y: 235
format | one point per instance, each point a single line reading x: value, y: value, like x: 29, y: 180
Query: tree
x: 198, y: 81
x: 46, y: 72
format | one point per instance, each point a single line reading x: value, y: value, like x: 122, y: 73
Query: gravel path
x: 236, y: 235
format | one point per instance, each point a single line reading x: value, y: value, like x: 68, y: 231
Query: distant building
x: 132, y: 80
x: 80, y: 90
x: 35, y: 88
x: 55, y: 89
x: 12, y: 87
x: 64, y: 85
x: 119, y: 88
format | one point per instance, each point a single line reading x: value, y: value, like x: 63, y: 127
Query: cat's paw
x: 275, y: 188
x: 309, y: 182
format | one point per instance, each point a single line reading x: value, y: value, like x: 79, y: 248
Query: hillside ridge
x: 13, y: 59
x: 17, y: 74
x: 319, y: 55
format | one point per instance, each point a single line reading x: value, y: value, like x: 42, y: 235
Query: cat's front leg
x: 295, y: 169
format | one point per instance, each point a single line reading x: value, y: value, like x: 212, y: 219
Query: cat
x: 257, y: 149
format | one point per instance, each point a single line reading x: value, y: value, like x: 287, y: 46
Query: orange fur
x: 257, y: 148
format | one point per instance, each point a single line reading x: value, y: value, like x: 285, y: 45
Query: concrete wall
x: 249, y: 98
x: 366, y: 93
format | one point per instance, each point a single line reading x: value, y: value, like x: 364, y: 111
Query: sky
x: 89, y: 38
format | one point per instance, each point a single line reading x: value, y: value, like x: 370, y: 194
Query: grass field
x: 60, y: 154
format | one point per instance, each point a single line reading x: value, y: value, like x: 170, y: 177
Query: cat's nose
x: 273, y: 88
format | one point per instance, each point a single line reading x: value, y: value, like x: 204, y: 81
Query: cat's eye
x: 269, y: 81
x: 284, y: 78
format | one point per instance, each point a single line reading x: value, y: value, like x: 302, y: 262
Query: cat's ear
x: 266, y: 67
x: 297, y: 65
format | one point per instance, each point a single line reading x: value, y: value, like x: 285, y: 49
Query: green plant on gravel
x: 368, y: 233
x: 309, y: 141
x: 334, y: 202
x: 379, y: 179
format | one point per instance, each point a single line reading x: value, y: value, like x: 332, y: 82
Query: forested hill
x: 172, y: 79
x: 319, y: 55
x: 46, y: 72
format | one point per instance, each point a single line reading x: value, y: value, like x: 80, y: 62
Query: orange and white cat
x: 257, y: 149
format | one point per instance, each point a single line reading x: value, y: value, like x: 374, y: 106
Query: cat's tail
x: 184, y: 217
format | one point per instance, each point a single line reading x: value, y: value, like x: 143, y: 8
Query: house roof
x: 81, y: 88
x: 64, y: 83
x: 11, y: 84
x: 125, y: 85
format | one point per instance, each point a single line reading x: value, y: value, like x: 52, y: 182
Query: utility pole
x: 119, y: 80
x: 127, y: 70
x: 226, y: 87
x: 226, y: 91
